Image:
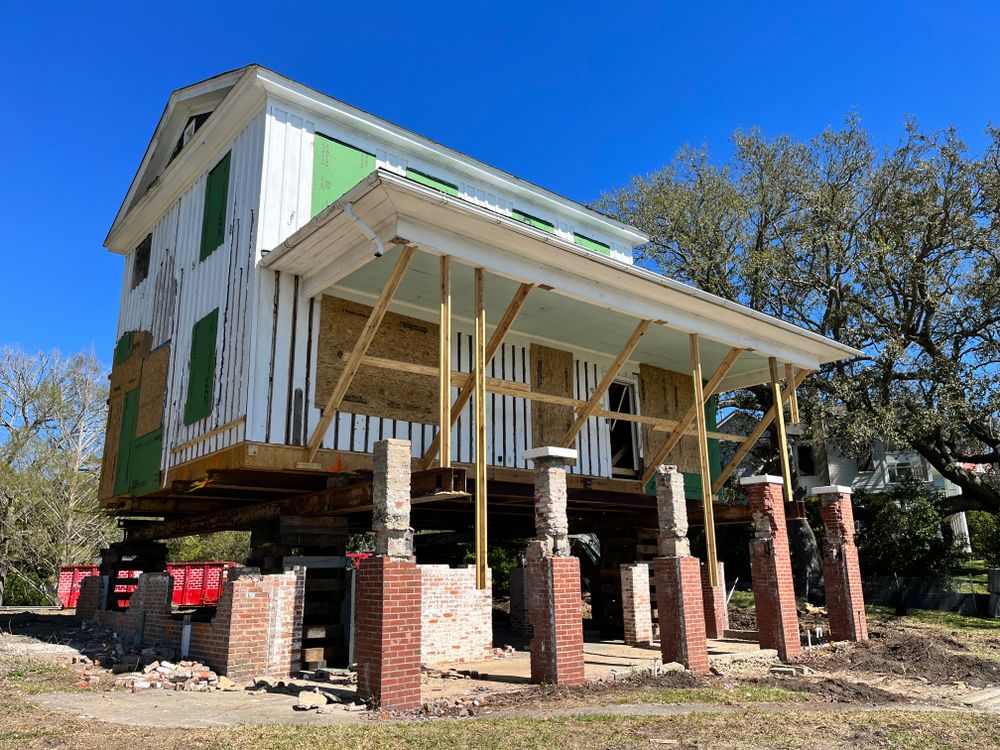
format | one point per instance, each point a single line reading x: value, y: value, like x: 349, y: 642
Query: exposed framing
x: 360, y: 347
x: 593, y: 403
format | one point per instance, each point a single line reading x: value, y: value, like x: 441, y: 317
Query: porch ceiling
x: 593, y: 303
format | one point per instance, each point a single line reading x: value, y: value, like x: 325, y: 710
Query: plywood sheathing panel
x: 378, y: 392
x: 669, y: 395
x: 152, y: 393
x: 552, y: 374
x: 125, y: 376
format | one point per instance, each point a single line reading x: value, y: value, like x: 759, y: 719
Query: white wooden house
x: 268, y: 223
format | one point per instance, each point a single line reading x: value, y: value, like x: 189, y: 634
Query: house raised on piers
x: 305, y: 281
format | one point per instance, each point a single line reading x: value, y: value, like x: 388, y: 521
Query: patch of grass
x: 31, y: 676
x: 947, y: 620
x: 741, y: 600
x: 739, y: 694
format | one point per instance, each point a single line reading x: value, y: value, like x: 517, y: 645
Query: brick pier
x: 388, y: 591
x: 637, y: 612
x: 771, y: 568
x: 555, y: 609
x: 845, y: 601
x: 714, y: 601
x: 678, y: 578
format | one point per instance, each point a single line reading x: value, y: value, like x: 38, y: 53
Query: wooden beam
x: 353, y: 361
x: 210, y: 434
x: 779, y: 418
x: 793, y: 403
x: 479, y: 421
x: 594, y: 402
x: 705, y: 469
x: 444, y: 366
x: 435, y: 484
x: 468, y: 383
x: 754, y: 436
x: 685, y: 422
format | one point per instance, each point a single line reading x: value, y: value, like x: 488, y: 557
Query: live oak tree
x: 52, y: 414
x: 894, y: 251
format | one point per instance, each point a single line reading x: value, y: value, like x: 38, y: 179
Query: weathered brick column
x: 845, y: 601
x: 771, y: 568
x: 714, y: 601
x: 388, y: 591
x: 678, y: 578
x: 555, y: 609
x: 637, y: 613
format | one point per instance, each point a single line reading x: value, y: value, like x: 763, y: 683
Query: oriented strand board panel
x: 152, y: 391
x: 552, y: 374
x: 668, y: 395
x: 375, y: 391
x: 126, y: 374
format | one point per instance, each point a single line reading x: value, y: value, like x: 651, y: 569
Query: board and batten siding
x: 182, y: 289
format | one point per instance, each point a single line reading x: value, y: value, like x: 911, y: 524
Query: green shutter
x: 144, y: 466
x: 123, y: 349
x: 213, y: 223
x: 130, y: 413
x: 201, y: 368
x: 433, y: 182
x: 337, y: 168
x: 591, y: 244
x: 534, y: 221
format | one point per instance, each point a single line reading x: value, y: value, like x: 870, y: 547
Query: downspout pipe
x: 366, y: 230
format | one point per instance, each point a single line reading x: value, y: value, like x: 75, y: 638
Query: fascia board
x: 322, y: 105
x: 234, y: 113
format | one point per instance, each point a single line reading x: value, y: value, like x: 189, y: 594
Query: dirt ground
x: 919, y: 682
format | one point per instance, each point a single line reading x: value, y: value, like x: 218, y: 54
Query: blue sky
x: 575, y: 96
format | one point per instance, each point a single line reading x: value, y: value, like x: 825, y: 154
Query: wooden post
x: 754, y: 436
x: 779, y: 417
x: 467, y: 385
x: 444, y: 366
x: 706, y: 472
x: 688, y: 418
x: 594, y: 402
x: 479, y: 422
x: 353, y: 361
x: 793, y: 401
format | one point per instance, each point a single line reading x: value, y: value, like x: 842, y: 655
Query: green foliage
x: 221, y: 546
x: 501, y: 558
x: 902, y: 532
x: 984, y: 536
x: 895, y: 252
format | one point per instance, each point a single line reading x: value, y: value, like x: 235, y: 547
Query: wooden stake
x: 779, y: 416
x: 706, y: 472
x: 754, y: 436
x: 685, y: 422
x: 594, y: 402
x: 353, y: 361
x: 793, y: 403
x: 465, y: 392
x: 444, y: 366
x: 479, y: 373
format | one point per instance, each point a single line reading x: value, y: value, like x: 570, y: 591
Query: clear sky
x: 575, y: 96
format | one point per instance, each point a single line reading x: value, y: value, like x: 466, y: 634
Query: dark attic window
x: 140, y: 268
x: 193, y: 126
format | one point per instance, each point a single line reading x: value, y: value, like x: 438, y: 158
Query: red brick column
x: 681, y: 614
x: 771, y: 568
x: 637, y: 613
x: 845, y: 601
x: 555, y: 607
x: 387, y: 629
x: 555, y: 612
x: 389, y: 599
x: 714, y: 601
x: 679, y: 606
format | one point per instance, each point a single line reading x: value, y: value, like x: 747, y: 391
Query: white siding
x: 181, y: 289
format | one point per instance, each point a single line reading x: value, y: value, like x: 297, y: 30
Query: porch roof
x: 590, y: 302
